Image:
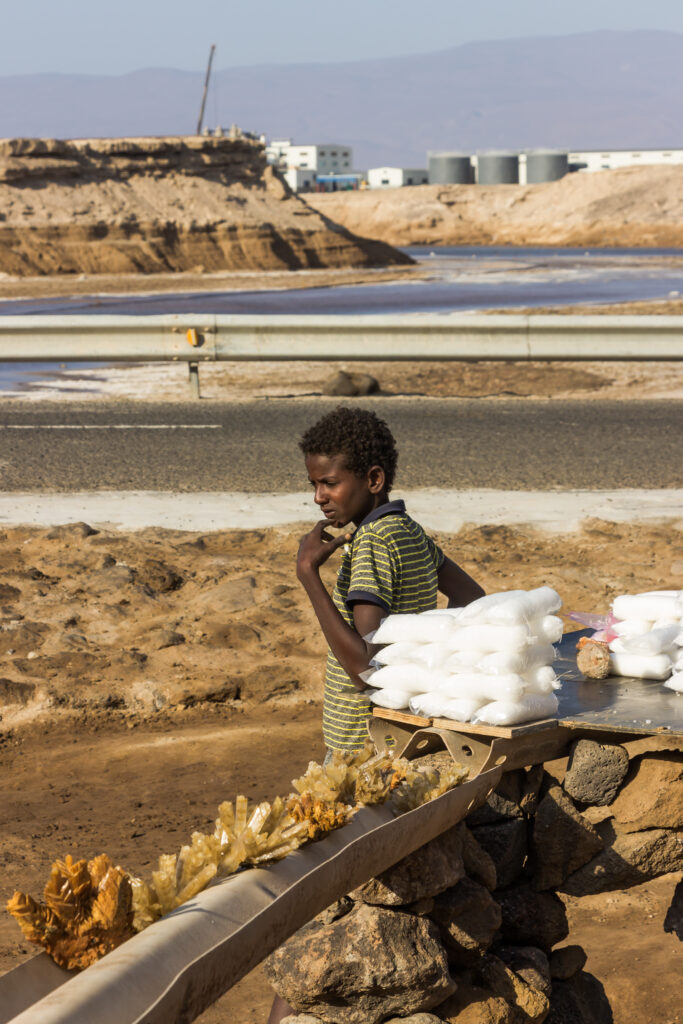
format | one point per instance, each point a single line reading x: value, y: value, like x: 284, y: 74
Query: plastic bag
x: 547, y: 630
x: 640, y: 666
x: 411, y: 678
x: 541, y: 679
x: 396, y: 700
x: 462, y: 710
x: 654, y: 605
x: 512, y: 607
x: 657, y: 641
x: 428, y: 628
x: 632, y: 627
x: 433, y: 656
x: 488, y: 638
x: 395, y: 654
x: 676, y: 682
x: 528, y: 708
x: 476, y: 685
x: 521, y: 661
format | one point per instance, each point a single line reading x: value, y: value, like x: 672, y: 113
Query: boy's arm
x: 347, y: 644
x: 459, y: 588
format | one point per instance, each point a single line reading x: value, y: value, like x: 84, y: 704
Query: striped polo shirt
x: 390, y: 562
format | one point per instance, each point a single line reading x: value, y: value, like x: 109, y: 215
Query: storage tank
x: 546, y: 165
x: 450, y: 169
x: 497, y: 168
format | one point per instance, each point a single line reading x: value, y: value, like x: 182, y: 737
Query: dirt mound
x: 633, y: 206
x: 152, y: 205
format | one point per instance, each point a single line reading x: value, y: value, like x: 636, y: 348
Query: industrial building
x: 607, y: 160
x: 396, y: 177
x: 329, y: 158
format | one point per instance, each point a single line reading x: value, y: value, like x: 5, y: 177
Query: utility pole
x: 206, y: 89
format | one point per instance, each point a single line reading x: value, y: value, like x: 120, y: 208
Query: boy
x: 389, y: 564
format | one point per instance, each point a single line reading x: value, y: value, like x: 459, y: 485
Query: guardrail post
x: 194, y: 379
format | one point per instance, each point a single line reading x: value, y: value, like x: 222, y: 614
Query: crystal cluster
x: 91, y: 907
x: 87, y: 911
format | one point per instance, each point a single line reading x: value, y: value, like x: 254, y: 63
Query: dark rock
x: 533, y: 781
x: 9, y: 594
x: 349, y: 385
x: 563, y: 841
x: 363, y: 967
x: 468, y: 917
x: 567, y: 961
x: 530, y: 963
x: 502, y: 804
x: 532, y: 918
x: 652, y: 796
x: 506, y: 844
x: 478, y: 864
x: 335, y: 911
x: 428, y: 871
x: 629, y: 860
x: 422, y: 908
x: 673, y: 922
x: 530, y: 1003
x: 158, y: 577
x: 166, y: 638
x: 71, y: 531
x: 595, y: 771
x: 579, y: 1000
x: 474, y: 1004
x: 13, y: 692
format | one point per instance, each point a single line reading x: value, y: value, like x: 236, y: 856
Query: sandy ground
x: 147, y: 675
x: 246, y: 381
x: 54, y: 286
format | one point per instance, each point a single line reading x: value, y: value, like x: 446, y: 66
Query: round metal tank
x: 497, y: 168
x: 450, y: 169
x: 546, y: 165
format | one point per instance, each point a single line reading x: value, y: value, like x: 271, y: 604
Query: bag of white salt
x: 676, y: 682
x: 476, y: 685
x: 546, y: 630
x: 541, y: 679
x: 396, y: 654
x: 513, y: 607
x: 418, y: 629
x: 528, y: 708
x: 657, y: 641
x: 654, y: 605
x: 490, y: 638
x: 411, y: 678
x: 640, y: 666
x: 395, y: 700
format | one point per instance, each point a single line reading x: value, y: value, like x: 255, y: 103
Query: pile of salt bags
x: 489, y: 662
x: 645, y: 636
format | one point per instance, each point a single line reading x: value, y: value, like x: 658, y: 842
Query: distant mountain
x: 591, y: 90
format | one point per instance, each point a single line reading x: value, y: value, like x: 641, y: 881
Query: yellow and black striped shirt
x: 390, y: 562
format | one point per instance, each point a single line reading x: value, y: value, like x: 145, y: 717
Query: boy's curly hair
x: 359, y: 435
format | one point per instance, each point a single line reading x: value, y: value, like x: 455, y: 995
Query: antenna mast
x: 206, y: 89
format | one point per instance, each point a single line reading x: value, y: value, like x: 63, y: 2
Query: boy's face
x: 342, y: 496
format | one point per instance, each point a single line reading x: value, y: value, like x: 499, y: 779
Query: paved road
x: 206, y: 446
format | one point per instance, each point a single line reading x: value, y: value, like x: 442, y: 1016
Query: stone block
x: 350, y: 385
x: 567, y: 961
x: 534, y: 780
x: 478, y: 864
x: 628, y: 860
x: 493, y: 994
x: 531, y: 918
x: 673, y: 922
x: 368, y: 965
x: 468, y: 917
x: 652, y: 796
x: 595, y: 771
x: 562, y: 840
x: 428, y: 871
x: 506, y: 845
x: 530, y: 963
x: 503, y: 803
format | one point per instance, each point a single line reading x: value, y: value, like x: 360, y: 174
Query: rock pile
x: 468, y: 928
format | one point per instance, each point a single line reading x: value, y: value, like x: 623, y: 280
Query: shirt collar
x: 387, y: 509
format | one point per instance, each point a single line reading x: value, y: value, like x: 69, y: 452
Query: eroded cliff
x: 161, y: 204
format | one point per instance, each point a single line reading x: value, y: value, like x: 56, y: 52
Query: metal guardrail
x: 206, y: 338
x: 192, y: 339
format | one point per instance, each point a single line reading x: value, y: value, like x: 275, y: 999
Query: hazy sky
x: 101, y: 36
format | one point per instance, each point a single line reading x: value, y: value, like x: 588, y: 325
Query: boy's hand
x: 316, y: 547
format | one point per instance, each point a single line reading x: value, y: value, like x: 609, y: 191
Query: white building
x: 607, y: 159
x: 299, y: 180
x: 329, y: 158
x: 396, y: 177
